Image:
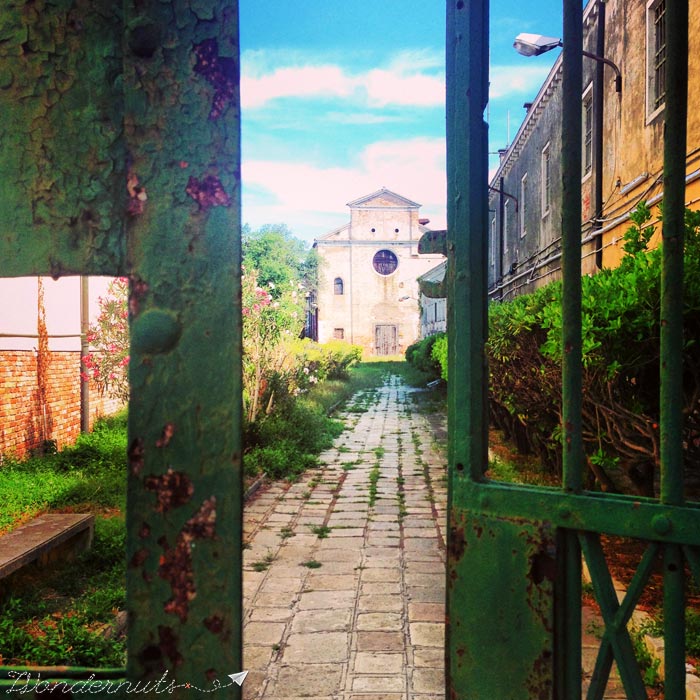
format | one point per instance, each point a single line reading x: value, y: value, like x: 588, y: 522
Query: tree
x: 279, y: 257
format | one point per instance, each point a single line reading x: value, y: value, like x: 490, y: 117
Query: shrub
x: 439, y: 354
x: 620, y: 347
x: 286, y: 442
x: 420, y: 355
x: 106, y: 366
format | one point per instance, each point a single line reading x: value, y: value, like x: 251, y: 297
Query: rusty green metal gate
x: 514, y: 559
x: 119, y: 155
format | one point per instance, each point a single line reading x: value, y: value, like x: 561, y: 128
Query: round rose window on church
x: 385, y: 262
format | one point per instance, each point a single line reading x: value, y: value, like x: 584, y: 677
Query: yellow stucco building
x: 622, y: 149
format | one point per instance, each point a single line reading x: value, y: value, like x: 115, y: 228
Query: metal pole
x: 571, y: 245
x: 568, y: 629
x: 671, y: 394
x: 467, y: 217
x: 84, y: 351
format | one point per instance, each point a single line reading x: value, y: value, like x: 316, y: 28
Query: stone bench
x: 45, y: 539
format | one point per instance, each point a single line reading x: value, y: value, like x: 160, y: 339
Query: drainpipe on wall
x: 84, y: 350
x: 598, y: 126
x: 501, y: 232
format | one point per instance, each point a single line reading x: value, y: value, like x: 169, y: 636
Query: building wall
x: 383, y: 221
x: 633, y: 140
x: 433, y: 316
x: 24, y: 422
x: 631, y: 168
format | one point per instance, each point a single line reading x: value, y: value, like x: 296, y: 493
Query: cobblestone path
x: 344, y: 577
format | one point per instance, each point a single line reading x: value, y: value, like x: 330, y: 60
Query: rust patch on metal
x: 220, y: 72
x: 207, y: 192
x: 539, y: 682
x: 542, y: 566
x: 139, y: 557
x: 457, y: 543
x: 173, y: 489
x: 137, y: 291
x: 153, y: 657
x: 176, y: 562
x: 166, y: 436
x: 214, y: 624
x: 137, y: 195
x: 135, y: 456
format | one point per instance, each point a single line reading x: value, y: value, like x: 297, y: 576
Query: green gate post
x: 568, y: 591
x: 500, y: 568
x: 184, y: 488
x: 509, y: 576
x: 671, y: 399
x: 119, y: 134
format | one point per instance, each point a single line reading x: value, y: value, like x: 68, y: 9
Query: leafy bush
x: 106, y: 366
x: 420, y: 355
x: 620, y: 345
x: 439, y: 354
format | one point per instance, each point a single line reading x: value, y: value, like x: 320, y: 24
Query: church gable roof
x: 339, y: 234
x: 383, y: 198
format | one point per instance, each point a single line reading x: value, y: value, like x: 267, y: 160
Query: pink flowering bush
x: 273, y: 317
x: 107, y: 363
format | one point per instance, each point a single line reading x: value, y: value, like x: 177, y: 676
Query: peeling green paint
x: 62, y: 156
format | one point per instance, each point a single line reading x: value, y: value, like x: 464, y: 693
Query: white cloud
x: 409, y: 79
x: 311, y: 200
x: 361, y: 118
x: 391, y: 87
x: 509, y: 80
x: 301, y: 82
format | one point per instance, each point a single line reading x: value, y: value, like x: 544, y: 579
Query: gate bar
x: 671, y: 396
x: 467, y: 38
x: 568, y: 593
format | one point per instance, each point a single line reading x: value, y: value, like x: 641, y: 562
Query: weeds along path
x: 344, y: 574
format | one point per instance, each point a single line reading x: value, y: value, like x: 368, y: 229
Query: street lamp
x: 536, y: 44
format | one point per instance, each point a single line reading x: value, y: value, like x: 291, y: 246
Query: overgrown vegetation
x: 288, y: 441
x: 61, y: 615
x: 65, y: 615
x: 87, y: 476
x: 421, y: 356
x: 621, y: 358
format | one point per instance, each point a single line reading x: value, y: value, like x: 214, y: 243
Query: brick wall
x: 23, y: 422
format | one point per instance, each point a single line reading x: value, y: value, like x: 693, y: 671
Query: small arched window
x: 338, y: 285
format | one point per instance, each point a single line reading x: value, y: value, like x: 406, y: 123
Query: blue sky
x: 343, y: 97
